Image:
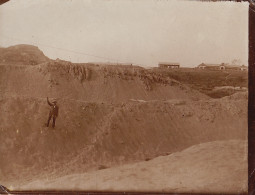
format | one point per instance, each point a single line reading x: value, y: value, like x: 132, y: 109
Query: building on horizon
x: 222, y: 66
x: 168, y: 65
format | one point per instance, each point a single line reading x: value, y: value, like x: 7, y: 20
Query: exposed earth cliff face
x: 110, y: 116
x: 91, y: 83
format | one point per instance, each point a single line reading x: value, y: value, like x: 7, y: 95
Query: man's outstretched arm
x: 49, y: 102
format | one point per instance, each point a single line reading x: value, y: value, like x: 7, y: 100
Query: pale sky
x: 142, y: 32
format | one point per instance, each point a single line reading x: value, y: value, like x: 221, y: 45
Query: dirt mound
x: 217, y: 163
x: 22, y: 55
x: 91, y: 135
x: 224, y: 91
x: 91, y: 83
x: 237, y: 96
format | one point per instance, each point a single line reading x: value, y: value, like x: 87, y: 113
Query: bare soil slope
x: 202, y: 164
x: 91, y: 136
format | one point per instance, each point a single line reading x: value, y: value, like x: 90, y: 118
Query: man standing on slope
x: 53, y: 112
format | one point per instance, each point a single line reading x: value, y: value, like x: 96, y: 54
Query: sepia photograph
x: 124, y: 96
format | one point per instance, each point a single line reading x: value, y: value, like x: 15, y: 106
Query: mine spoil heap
x: 108, y: 116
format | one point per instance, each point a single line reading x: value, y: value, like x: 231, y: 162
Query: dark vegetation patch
x: 206, y: 80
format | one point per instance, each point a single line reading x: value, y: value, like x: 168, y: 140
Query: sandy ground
x: 218, y: 166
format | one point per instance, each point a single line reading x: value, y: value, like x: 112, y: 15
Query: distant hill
x: 22, y: 55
